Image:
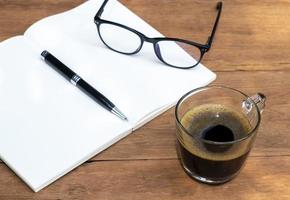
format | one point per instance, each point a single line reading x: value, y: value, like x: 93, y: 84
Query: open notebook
x: 49, y: 127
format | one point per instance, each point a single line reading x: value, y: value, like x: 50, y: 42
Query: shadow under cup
x: 216, y: 128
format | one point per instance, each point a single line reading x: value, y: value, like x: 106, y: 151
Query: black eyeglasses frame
x: 203, y: 48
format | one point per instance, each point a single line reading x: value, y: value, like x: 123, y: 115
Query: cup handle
x: 259, y: 99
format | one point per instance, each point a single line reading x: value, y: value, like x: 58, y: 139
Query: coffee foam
x: 199, y: 118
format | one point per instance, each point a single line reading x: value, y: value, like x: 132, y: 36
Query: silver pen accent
x: 117, y: 112
x: 75, y: 79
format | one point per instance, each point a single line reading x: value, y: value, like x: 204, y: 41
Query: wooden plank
x: 252, y: 35
x: 17, y: 16
x: 155, y: 179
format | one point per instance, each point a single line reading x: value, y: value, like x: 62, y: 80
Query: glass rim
x: 250, y: 133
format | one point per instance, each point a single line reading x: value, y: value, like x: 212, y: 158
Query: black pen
x: 81, y: 84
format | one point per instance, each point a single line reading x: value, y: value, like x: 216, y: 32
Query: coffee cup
x: 216, y: 129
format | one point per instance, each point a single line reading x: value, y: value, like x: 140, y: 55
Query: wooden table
x: 251, y: 52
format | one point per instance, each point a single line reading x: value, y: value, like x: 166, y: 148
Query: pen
x: 81, y: 84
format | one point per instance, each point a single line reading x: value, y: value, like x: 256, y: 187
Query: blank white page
x: 138, y: 84
x: 48, y: 126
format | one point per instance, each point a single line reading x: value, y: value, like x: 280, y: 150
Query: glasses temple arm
x: 101, y: 10
x: 211, y: 37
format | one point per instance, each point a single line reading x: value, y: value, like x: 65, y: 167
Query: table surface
x: 251, y: 52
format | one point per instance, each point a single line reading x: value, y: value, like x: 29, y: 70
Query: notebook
x: 49, y: 127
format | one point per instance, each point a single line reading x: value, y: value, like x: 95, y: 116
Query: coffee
x: 201, y: 152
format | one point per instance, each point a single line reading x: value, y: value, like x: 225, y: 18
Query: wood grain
x: 250, y: 52
x: 252, y: 35
x: 156, y: 179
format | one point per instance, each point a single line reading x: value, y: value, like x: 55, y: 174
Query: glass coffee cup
x: 216, y: 129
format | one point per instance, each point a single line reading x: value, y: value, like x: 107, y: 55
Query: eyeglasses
x: 170, y: 51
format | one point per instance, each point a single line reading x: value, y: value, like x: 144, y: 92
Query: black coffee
x: 217, y: 170
x: 213, y: 123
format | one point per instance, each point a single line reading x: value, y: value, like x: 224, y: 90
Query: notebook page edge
x: 82, y: 161
x: 163, y: 109
x: 36, y: 189
x: 43, y: 20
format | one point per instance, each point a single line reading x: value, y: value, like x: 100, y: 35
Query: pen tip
x: 118, y: 113
x: 123, y: 117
